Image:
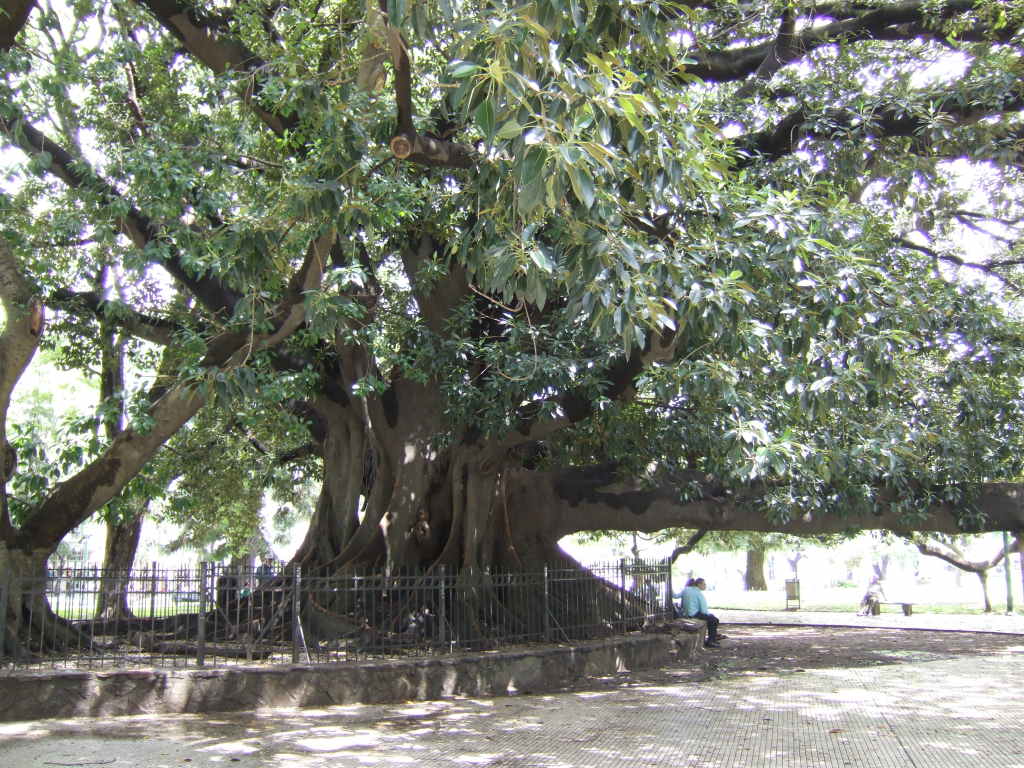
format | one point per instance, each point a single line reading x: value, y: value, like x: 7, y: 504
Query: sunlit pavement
x: 933, y: 709
x: 891, y: 617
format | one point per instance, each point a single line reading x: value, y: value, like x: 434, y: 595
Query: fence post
x: 442, y: 610
x: 547, y: 607
x: 622, y: 593
x: 201, y: 629
x: 152, y: 591
x: 296, y: 618
x: 152, y: 606
x: 669, y: 605
x: 1006, y: 569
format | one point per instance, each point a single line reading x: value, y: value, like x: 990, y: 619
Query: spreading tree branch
x: 687, y: 548
x: 991, y: 268
x: 205, y: 37
x: 957, y: 558
x: 535, y: 420
x: 13, y: 17
x: 784, y: 50
x: 407, y: 144
x: 785, y: 137
x: 137, y: 227
x: 154, y: 329
x: 19, y: 340
x: 895, y: 21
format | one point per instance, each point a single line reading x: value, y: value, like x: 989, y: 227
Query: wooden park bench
x: 876, y: 608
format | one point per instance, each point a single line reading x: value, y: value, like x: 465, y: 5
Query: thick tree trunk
x: 30, y: 627
x: 753, y: 580
x: 346, y: 475
x: 417, y: 509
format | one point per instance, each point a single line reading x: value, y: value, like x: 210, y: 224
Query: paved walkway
x: 891, y: 617
x: 920, y: 699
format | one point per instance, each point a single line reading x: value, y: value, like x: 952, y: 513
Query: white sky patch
x: 732, y: 130
x: 950, y: 66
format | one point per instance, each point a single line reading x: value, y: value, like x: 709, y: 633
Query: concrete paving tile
x: 906, y: 705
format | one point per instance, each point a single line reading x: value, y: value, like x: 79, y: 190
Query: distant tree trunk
x: 881, y: 567
x: 983, y: 578
x: 118, y: 560
x: 753, y: 580
x: 794, y: 561
x: 1017, y: 544
x: 122, y: 535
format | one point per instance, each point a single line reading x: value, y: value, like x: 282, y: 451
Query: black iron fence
x: 216, y: 615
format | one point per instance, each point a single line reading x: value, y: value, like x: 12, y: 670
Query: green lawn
x: 847, y: 599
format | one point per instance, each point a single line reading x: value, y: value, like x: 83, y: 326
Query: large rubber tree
x: 526, y: 270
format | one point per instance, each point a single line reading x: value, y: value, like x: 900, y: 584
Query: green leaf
x: 541, y: 259
x: 582, y: 186
x: 577, y: 13
x: 531, y: 194
x: 509, y: 130
x: 484, y: 116
x: 461, y: 69
x: 629, y: 110
x: 532, y: 165
x: 600, y: 64
x: 396, y: 12
x: 821, y: 384
x: 420, y: 22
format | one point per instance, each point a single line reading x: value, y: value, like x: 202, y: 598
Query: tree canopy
x: 504, y: 272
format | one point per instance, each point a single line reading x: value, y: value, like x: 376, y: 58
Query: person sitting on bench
x: 695, y: 606
x: 874, y: 596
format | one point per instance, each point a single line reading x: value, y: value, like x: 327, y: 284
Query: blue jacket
x: 694, y: 601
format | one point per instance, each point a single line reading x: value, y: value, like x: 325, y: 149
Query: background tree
x: 952, y: 549
x: 526, y: 271
x: 222, y: 470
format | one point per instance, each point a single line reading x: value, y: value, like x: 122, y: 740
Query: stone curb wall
x: 35, y: 696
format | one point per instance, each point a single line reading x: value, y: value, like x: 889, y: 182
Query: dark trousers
x: 712, y: 621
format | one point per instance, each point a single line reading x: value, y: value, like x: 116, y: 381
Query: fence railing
x: 216, y: 615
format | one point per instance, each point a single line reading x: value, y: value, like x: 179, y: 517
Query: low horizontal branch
x: 590, y: 499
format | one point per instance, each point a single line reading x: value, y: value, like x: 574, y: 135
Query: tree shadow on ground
x: 749, y: 692
x: 754, y: 649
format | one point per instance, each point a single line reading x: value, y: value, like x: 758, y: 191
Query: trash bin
x: 792, y: 594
